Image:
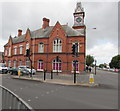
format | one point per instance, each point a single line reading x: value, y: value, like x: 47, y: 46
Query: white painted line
x: 21, y: 88
x: 29, y: 100
x: 36, y: 97
x: 47, y: 92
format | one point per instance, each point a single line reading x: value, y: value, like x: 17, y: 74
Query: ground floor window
x: 14, y: 63
x: 27, y: 63
x: 57, y: 65
x: 20, y: 63
x: 40, y: 65
x: 75, y: 65
x: 9, y: 63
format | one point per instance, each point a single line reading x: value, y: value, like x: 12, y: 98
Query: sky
x: 102, y: 42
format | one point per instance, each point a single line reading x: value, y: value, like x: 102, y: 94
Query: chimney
x: 19, y: 32
x: 45, y: 23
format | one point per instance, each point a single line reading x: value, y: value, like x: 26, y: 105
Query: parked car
x: 27, y: 68
x: 14, y: 71
x: 3, y: 68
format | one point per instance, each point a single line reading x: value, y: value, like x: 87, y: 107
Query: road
x: 50, y: 96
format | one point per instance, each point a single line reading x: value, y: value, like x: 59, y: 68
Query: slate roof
x: 44, y: 33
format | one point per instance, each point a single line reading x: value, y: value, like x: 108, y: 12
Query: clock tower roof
x: 79, y: 8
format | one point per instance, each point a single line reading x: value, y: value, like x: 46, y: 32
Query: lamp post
x: 95, y: 66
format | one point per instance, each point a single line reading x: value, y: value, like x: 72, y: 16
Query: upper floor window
x: 57, y: 45
x: 21, y: 48
x: 41, y: 47
x: 77, y: 45
x: 15, y: 50
x: 27, y: 46
x: 6, y: 52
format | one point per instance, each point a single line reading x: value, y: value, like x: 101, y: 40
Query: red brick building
x: 1, y: 57
x: 47, y: 43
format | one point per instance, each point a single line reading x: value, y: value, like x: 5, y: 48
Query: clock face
x: 78, y: 19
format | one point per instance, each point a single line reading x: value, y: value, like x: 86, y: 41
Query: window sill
x: 76, y: 71
x: 57, y: 70
x: 40, y: 70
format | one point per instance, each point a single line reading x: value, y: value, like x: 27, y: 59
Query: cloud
x: 102, y: 15
x: 103, y: 53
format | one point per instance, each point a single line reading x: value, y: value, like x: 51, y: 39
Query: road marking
x: 36, y: 97
x: 47, y: 92
x: 29, y: 100
x: 21, y: 88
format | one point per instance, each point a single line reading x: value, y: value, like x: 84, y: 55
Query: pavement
x: 59, y: 81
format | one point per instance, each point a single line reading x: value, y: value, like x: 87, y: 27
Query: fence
x: 12, y: 101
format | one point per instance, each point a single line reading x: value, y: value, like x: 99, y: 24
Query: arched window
x: 40, y: 47
x: 75, y: 65
x: 40, y: 65
x: 57, y: 45
x: 57, y: 65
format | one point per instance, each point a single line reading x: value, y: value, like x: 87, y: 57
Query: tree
x: 102, y: 66
x: 115, y: 62
x: 89, y: 60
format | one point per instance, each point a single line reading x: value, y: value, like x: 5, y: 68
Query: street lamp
x: 95, y: 66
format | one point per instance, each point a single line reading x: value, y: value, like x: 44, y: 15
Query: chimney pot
x: 45, y: 23
x: 19, y: 32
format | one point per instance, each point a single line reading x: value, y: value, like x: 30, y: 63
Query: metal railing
x: 12, y: 101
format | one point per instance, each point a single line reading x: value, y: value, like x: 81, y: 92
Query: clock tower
x: 79, y: 17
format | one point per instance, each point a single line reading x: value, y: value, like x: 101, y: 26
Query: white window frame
x: 15, y: 50
x: 57, y: 45
x: 27, y: 46
x: 14, y: 63
x: 78, y: 45
x: 6, y: 52
x: 55, y: 65
x: 21, y: 49
x: 20, y: 63
x: 27, y: 63
x: 39, y: 62
x: 9, y: 63
x: 9, y: 51
x: 41, y: 47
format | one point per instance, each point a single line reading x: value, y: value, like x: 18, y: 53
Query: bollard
x: 51, y: 74
x: 91, y: 79
x: 74, y: 76
x: 19, y: 73
x: 45, y: 74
